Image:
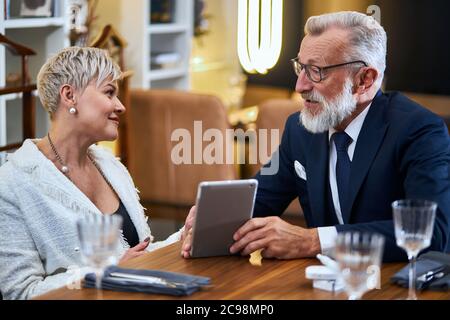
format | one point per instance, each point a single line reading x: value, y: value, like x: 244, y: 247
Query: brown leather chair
x: 152, y: 118
x: 272, y: 114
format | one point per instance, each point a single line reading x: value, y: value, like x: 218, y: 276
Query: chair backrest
x: 26, y: 88
x: 272, y: 114
x: 257, y: 94
x: 109, y: 39
x: 153, y: 118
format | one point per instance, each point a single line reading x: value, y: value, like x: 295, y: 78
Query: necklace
x: 64, y: 168
x: 101, y: 171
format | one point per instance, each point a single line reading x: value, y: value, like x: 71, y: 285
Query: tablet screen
x: 222, y: 207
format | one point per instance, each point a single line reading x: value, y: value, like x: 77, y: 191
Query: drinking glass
x: 99, y: 241
x: 359, y: 258
x: 414, y: 222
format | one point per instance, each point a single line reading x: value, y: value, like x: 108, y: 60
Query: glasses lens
x: 297, y: 67
x: 313, y: 73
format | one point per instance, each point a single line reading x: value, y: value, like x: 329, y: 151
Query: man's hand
x: 186, y: 236
x: 277, y: 238
x: 137, y: 251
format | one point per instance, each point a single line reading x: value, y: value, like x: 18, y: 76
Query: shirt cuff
x: 327, y: 237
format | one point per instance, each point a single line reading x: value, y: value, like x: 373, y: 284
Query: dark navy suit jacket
x: 402, y: 151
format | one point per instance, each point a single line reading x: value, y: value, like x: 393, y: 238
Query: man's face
x: 328, y: 102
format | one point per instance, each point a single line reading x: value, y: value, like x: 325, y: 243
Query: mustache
x: 313, y: 96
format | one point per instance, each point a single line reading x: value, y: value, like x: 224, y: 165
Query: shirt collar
x: 354, y: 128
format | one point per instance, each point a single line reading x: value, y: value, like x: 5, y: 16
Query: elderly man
x: 351, y: 151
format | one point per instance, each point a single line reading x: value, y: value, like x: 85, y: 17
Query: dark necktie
x: 342, y: 141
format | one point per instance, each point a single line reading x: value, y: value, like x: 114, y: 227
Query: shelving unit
x: 33, y: 23
x: 146, y: 38
x: 170, y: 28
x: 44, y: 35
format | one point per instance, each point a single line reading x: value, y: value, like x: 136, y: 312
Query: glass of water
x: 414, y: 223
x: 99, y: 241
x: 359, y: 257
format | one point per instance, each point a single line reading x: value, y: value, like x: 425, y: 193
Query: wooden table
x: 234, y: 278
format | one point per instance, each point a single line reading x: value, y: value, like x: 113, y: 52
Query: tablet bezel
x: 229, y: 206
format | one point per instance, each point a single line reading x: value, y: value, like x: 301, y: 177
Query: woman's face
x: 99, y: 110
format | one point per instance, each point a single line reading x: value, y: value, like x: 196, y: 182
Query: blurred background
x: 182, y: 64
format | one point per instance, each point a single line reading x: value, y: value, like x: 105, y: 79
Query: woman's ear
x: 67, y: 95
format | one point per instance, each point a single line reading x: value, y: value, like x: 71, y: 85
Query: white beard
x: 332, y: 113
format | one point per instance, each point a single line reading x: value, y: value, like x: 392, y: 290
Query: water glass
x: 99, y: 240
x: 359, y: 257
x: 414, y: 223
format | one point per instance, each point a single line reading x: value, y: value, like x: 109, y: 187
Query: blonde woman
x: 49, y: 183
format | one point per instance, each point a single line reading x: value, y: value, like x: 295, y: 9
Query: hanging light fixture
x: 260, y: 27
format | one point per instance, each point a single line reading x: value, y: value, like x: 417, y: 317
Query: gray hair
x: 75, y: 66
x: 368, y: 40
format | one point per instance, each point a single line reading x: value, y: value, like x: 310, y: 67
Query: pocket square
x: 148, y: 281
x: 300, y: 170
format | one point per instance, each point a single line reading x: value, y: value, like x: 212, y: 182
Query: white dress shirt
x: 327, y: 235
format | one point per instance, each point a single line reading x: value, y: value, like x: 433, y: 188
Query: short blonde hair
x: 75, y: 66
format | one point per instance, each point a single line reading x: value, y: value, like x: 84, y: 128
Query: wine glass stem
x: 98, y: 283
x: 412, y: 279
x: 354, y: 297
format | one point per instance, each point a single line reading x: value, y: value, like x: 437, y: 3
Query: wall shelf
x: 45, y: 36
x: 167, y: 28
x: 34, y: 23
x: 15, y: 96
x: 166, y: 74
x: 153, y: 38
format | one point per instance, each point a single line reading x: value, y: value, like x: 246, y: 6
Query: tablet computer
x: 222, y: 207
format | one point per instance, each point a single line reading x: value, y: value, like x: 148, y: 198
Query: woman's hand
x: 137, y: 251
x: 186, y: 237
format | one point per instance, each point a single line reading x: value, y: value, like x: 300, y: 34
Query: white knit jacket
x: 39, y: 206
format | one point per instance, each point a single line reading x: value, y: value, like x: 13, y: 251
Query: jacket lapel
x: 317, y: 171
x: 369, y: 141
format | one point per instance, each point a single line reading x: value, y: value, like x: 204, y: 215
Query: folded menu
x: 148, y: 281
x: 432, y: 272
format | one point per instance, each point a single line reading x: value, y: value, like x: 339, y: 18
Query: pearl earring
x: 72, y: 110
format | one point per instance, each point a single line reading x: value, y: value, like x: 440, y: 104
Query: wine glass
x: 359, y: 258
x: 414, y: 222
x: 99, y: 241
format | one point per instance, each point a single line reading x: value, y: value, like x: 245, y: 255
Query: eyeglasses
x: 315, y: 73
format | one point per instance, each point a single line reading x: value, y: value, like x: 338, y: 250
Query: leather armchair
x: 153, y: 117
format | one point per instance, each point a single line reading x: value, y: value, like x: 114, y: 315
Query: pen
x: 148, y: 279
x: 328, y: 262
x: 430, y: 275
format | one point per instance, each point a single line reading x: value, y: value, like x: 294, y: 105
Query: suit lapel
x: 317, y: 169
x: 369, y: 141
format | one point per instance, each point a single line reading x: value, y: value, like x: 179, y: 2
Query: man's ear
x: 67, y: 95
x: 365, y: 79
